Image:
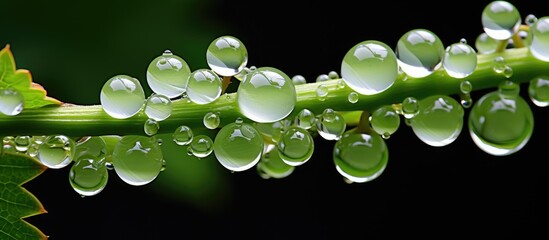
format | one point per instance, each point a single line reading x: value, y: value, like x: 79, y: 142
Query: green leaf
x: 34, y: 94
x: 16, y: 202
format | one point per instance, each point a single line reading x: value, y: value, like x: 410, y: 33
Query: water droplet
x: 167, y: 75
x: 22, y: 143
x: 151, y: 127
x: 509, y: 89
x: 385, y: 121
x: 530, y: 19
x: 227, y: 55
x: 90, y: 147
x: 460, y: 60
x: 296, y: 146
x: 463, y: 41
x: 322, y: 92
x: 204, y: 86
x: 369, y: 67
x: 330, y: 125
x: 122, y: 96
x: 410, y: 107
x: 272, y: 165
x: 538, y: 91
x: 419, y: 53
x: 360, y: 157
x: 201, y: 146
x: 158, y: 107
x: 500, y: 125
x: 137, y: 160
x: 439, y: 121
x: 11, y: 102
x: 266, y: 95
x: 500, y: 20
x: 333, y: 75
x: 242, y: 73
x: 485, y: 44
x: 239, y: 121
x: 238, y: 147
x: 322, y: 78
x: 341, y: 84
x: 183, y: 135
x: 499, y: 64
x: 211, y: 120
x: 109, y: 166
x: 352, y: 97
x: 538, y: 39
x: 298, y: 80
x: 88, y: 176
x: 507, y: 71
x: 465, y: 87
x: 57, y: 151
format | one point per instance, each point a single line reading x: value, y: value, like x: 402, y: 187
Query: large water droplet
x: 369, y: 67
x: 538, y: 91
x: 360, y: 157
x: 305, y: 119
x: 538, y: 39
x: 11, y: 101
x: 485, y: 44
x: 57, y: 151
x: 122, y: 96
x: 460, y: 60
x: 266, y: 95
x: 158, y: 107
x: 295, y: 146
x: 439, y: 121
x: 500, y: 124
x: 330, y: 124
x: 167, y: 74
x: 500, y: 20
x: 238, y: 147
x: 385, y: 121
x: 137, y: 160
x: 419, y: 53
x: 227, y: 55
x: 88, y: 175
x: 204, y: 86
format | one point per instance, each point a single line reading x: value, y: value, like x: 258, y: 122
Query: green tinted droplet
x: 122, y: 96
x: 485, y: 44
x: 298, y: 80
x: 500, y: 20
x: 369, y: 67
x: 410, y: 107
x: 296, y: 146
x: 499, y: 124
x: 158, y: 107
x: 151, y: 127
x: 530, y: 19
x: 238, y: 147
x: 460, y: 60
x: 509, y: 89
x: 305, y: 119
x: 465, y: 87
x: 137, y: 159
x: 183, y: 135
x: 322, y: 78
x: 538, y: 39
x: 167, y: 75
x: 538, y: 91
x: 333, y: 75
x: 11, y: 101
x: 88, y: 176
x: 352, y: 97
x: 385, y: 121
x: 92, y: 147
x: 322, y: 92
x: 266, y: 95
x: 204, y: 86
x: 439, y: 121
x: 419, y: 53
x: 272, y: 165
x: 211, y: 120
x: 22, y: 143
x: 330, y: 125
x: 227, y: 55
x: 360, y: 157
x: 57, y: 151
x: 201, y: 146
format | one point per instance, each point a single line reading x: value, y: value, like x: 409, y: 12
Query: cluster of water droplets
x: 274, y: 137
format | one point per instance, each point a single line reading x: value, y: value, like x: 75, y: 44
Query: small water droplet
x: 299, y: 79
x: 183, y: 135
x: 204, y: 86
x: 158, y: 107
x: 122, y: 96
x: 167, y: 75
x: 22, y: 143
x: 330, y: 125
x: 295, y: 146
x: 419, y: 53
x: 333, y: 75
x: 385, y: 120
x: 11, y: 102
x: 460, y: 60
x: 201, y: 146
x: 227, y: 55
x: 538, y: 91
x: 57, y: 151
x: 211, y: 120
x: 352, y: 97
x: 530, y: 19
x: 151, y: 127
x: 322, y: 78
x: 410, y: 107
x: 322, y: 92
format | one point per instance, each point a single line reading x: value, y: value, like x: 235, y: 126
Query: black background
x: 425, y: 192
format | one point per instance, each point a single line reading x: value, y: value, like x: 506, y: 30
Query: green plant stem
x: 74, y: 120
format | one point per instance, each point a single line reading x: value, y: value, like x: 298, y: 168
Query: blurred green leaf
x: 16, y: 202
x: 34, y: 95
